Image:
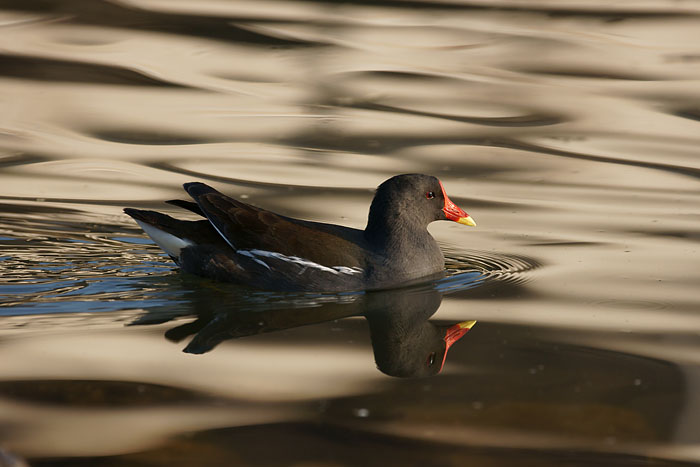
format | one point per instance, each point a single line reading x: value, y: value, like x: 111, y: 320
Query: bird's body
x: 240, y: 243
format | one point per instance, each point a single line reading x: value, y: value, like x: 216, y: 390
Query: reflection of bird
x: 251, y: 246
x: 405, y: 343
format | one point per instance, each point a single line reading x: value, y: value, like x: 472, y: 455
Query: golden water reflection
x: 568, y: 129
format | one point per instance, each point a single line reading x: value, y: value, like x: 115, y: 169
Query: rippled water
x: 569, y: 130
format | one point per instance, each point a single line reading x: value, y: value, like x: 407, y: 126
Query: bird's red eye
x: 429, y: 194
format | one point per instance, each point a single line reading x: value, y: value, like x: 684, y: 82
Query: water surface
x: 568, y: 130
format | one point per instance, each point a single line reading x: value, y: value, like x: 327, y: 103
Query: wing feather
x: 246, y: 227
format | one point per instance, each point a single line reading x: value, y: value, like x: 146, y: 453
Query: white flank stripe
x: 250, y: 255
x: 168, y: 242
x: 299, y: 261
x: 347, y: 270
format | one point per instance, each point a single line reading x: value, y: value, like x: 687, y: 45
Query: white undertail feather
x: 168, y: 242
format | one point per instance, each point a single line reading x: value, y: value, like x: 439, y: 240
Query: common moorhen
x: 244, y: 244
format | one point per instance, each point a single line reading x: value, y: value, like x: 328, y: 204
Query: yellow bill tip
x: 467, y: 221
x: 467, y: 324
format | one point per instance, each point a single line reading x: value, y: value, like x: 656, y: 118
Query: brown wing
x: 246, y: 227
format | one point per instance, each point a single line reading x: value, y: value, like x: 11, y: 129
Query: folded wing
x: 269, y: 237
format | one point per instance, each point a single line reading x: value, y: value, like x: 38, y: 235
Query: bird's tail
x: 166, y: 231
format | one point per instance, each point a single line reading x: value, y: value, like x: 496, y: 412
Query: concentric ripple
x: 472, y: 268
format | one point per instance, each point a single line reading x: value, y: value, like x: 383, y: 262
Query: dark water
x: 569, y: 130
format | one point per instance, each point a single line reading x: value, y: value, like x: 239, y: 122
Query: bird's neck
x: 396, y: 234
x: 409, y: 250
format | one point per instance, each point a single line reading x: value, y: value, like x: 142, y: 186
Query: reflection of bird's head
x: 420, y: 353
x: 405, y: 343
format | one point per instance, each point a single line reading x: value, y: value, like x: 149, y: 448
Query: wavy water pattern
x: 568, y: 130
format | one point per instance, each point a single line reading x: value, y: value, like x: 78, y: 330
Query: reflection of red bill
x: 455, y: 333
x: 454, y: 212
